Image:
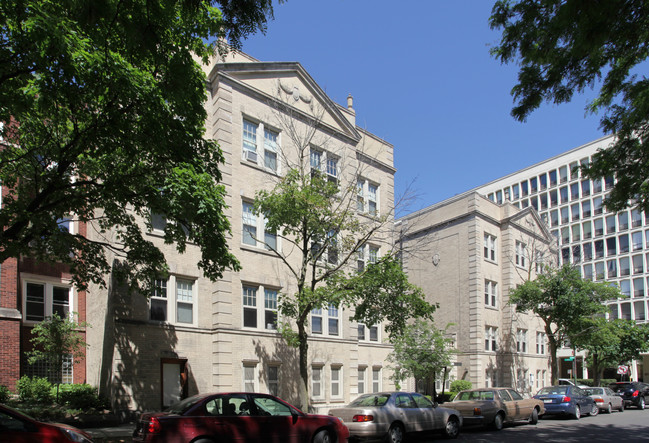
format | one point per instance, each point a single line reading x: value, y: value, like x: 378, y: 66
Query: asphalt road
x: 632, y: 425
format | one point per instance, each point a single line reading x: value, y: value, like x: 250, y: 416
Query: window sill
x: 256, y: 249
x: 259, y: 167
x: 492, y: 308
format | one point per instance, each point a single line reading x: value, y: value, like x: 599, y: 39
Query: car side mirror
x: 435, y: 404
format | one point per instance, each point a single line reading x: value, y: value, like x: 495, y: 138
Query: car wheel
x: 322, y: 437
x: 577, y: 413
x: 594, y: 410
x: 452, y: 428
x: 609, y: 408
x: 641, y: 403
x: 622, y: 407
x: 534, y: 418
x: 395, y: 434
x: 498, y: 421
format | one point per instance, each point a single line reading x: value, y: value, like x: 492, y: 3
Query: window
x: 543, y: 180
x: 361, y: 332
x: 376, y: 380
x: 336, y: 377
x: 563, y: 174
x: 490, y: 293
x: 520, y: 254
x: 316, y: 161
x: 366, y: 254
x: 185, y: 301
x: 253, y: 314
x: 252, y: 224
x: 332, y: 168
x: 516, y: 192
x: 521, y: 340
x: 565, y: 215
x: 249, y: 378
x: 316, y: 321
x: 587, y: 229
x: 44, y: 369
x: 636, y: 218
x: 574, y: 191
x: 588, y: 272
x: 553, y: 177
x: 249, y: 307
x: 270, y: 309
x: 623, y: 240
x: 361, y: 379
x: 636, y: 237
x: 599, y: 227
x: 316, y: 382
x: 638, y: 264
x: 268, y: 147
x: 588, y: 251
x: 574, y: 210
x: 597, y: 185
x: 554, y: 200
x: 490, y: 338
x: 273, y: 380
x: 608, y: 182
x: 576, y: 232
x: 612, y: 268
x: 638, y: 287
x: 599, y: 270
x: 365, y: 333
x: 533, y: 185
x: 585, y: 188
x: 610, y: 224
x: 43, y: 299
x: 563, y: 193
x: 574, y: 170
x: 585, y: 208
x: 597, y: 205
x: 554, y: 218
x: 367, y: 197
x: 334, y: 321
x: 538, y: 261
x: 490, y: 247
x: 540, y: 343
x: 158, y: 301
x: 625, y: 267
x: 329, y: 317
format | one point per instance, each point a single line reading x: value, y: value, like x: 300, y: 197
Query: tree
x: 565, y: 303
x: 316, y: 216
x: 564, y: 47
x: 103, y: 122
x: 421, y: 351
x: 54, y: 339
x: 610, y: 343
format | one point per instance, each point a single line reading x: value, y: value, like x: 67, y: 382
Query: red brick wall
x: 9, y: 353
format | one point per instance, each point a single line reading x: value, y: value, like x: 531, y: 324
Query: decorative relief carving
x: 294, y: 92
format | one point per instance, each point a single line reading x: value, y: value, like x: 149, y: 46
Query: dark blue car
x: 566, y: 400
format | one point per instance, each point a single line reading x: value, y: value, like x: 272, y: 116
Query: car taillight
x: 565, y: 399
x: 599, y: 400
x: 154, y: 426
x: 636, y: 393
x: 362, y: 418
x: 477, y: 411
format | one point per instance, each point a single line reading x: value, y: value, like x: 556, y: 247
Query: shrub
x: 460, y: 385
x: 79, y: 396
x: 35, y: 389
x: 5, y: 393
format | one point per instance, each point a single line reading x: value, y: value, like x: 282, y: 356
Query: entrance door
x: 173, y: 381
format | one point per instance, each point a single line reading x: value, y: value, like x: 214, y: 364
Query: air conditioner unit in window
x: 251, y: 156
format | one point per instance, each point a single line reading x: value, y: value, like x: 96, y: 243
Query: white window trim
x: 255, y: 376
x: 368, y: 253
x: 520, y: 254
x: 367, y: 338
x: 491, y: 292
x: 377, y: 370
x: 339, y: 382
x: 361, y: 379
x: 270, y: 382
x: 491, y: 246
x: 491, y: 334
x: 363, y: 192
x: 260, y: 306
x: 49, y: 283
x: 521, y: 341
x: 260, y: 225
x: 172, y: 301
x: 325, y: 322
x: 321, y: 382
x: 259, y: 156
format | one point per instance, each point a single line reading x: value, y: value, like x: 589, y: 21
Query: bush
x: 460, y: 385
x: 79, y: 396
x: 35, y: 389
x: 5, y: 393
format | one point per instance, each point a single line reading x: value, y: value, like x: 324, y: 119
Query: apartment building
x: 193, y: 335
x: 605, y: 246
x: 467, y: 253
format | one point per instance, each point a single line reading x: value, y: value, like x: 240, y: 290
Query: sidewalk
x: 112, y: 434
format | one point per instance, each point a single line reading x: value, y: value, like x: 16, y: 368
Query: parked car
x: 496, y: 406
x: 237, y: 417
x: 16, y: 427
x: 567, y: 381
x: 567, y: 399
x: 606, y: 399
x: 393, y: 415
x: 633, y: 393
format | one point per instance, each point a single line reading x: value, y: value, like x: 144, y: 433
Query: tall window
x: 249, y: 307
x: 490, y: 247
x: 490, y: 338
x: 365, y: 333
x: 259, y: 311
x: 334, y: 320
x: 366, y: 254
x: 332, y: 168
x: 250, y: 141
x: 362, y: 371
x: 273, y: 380
x: 316, y: 321
x: 521, y: 340
x: 42, y: 299
x: 336, y: 377
x: 372, y: 199
x: 263, y: 152
x: 316, y: 382
x: 249, y: 378
x: 540, y: 343
x: 520, y: 253
x: 270, y: 149
x: 185, y: 301
x: 366, y: 196
x: 249, y: 224
x: 490, y: 293
x: 158, y: 301
x: 376, y: 379
x: 270, y: 306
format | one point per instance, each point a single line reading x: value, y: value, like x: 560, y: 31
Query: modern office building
x: 194, y: 335
x: 605, y: 246
x: 467, y: 253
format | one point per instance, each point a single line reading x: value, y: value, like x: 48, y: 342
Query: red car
x: 16, y: 427
x: 237, y: 417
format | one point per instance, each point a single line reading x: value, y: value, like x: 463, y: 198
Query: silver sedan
x: 606, y: 399
x: 391, y: 415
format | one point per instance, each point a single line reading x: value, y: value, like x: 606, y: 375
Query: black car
x: 632, y: 392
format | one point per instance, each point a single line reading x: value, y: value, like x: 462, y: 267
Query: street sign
x: 569, y: 359
x: 457, y: 363
x: 622, y: 369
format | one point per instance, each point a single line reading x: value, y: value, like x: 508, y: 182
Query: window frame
x: 267, y: 139
x: 48, y: 297
x: 490, y: 247
x: 254, y: 305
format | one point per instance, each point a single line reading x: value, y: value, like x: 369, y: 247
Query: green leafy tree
x: 421, y: 351
x: 565, y: 47
x: 54, y: 339
x: 103, y: 122
x: 317, y: 221
x: 610, y: 343
x: 565, y: 303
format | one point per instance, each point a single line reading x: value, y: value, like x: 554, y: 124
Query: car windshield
x: 594, y: 391
x: 474, y: 395
x: 371, y: 400
x: 183, y: 405
x: 620, y: 386
x: 553, y: 390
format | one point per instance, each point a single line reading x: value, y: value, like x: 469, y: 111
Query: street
x: 632, y: 425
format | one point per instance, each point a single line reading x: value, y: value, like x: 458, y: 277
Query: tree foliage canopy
x: 565, y: 47
x: 103, y: 122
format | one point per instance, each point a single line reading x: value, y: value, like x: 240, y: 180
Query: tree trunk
x: 304, y: 368
x: 554, y: 362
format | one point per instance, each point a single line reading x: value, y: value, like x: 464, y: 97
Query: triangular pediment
x: 289, y: 84
x: 530, y: 220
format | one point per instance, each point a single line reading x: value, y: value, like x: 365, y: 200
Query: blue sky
x: 422, y: 79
